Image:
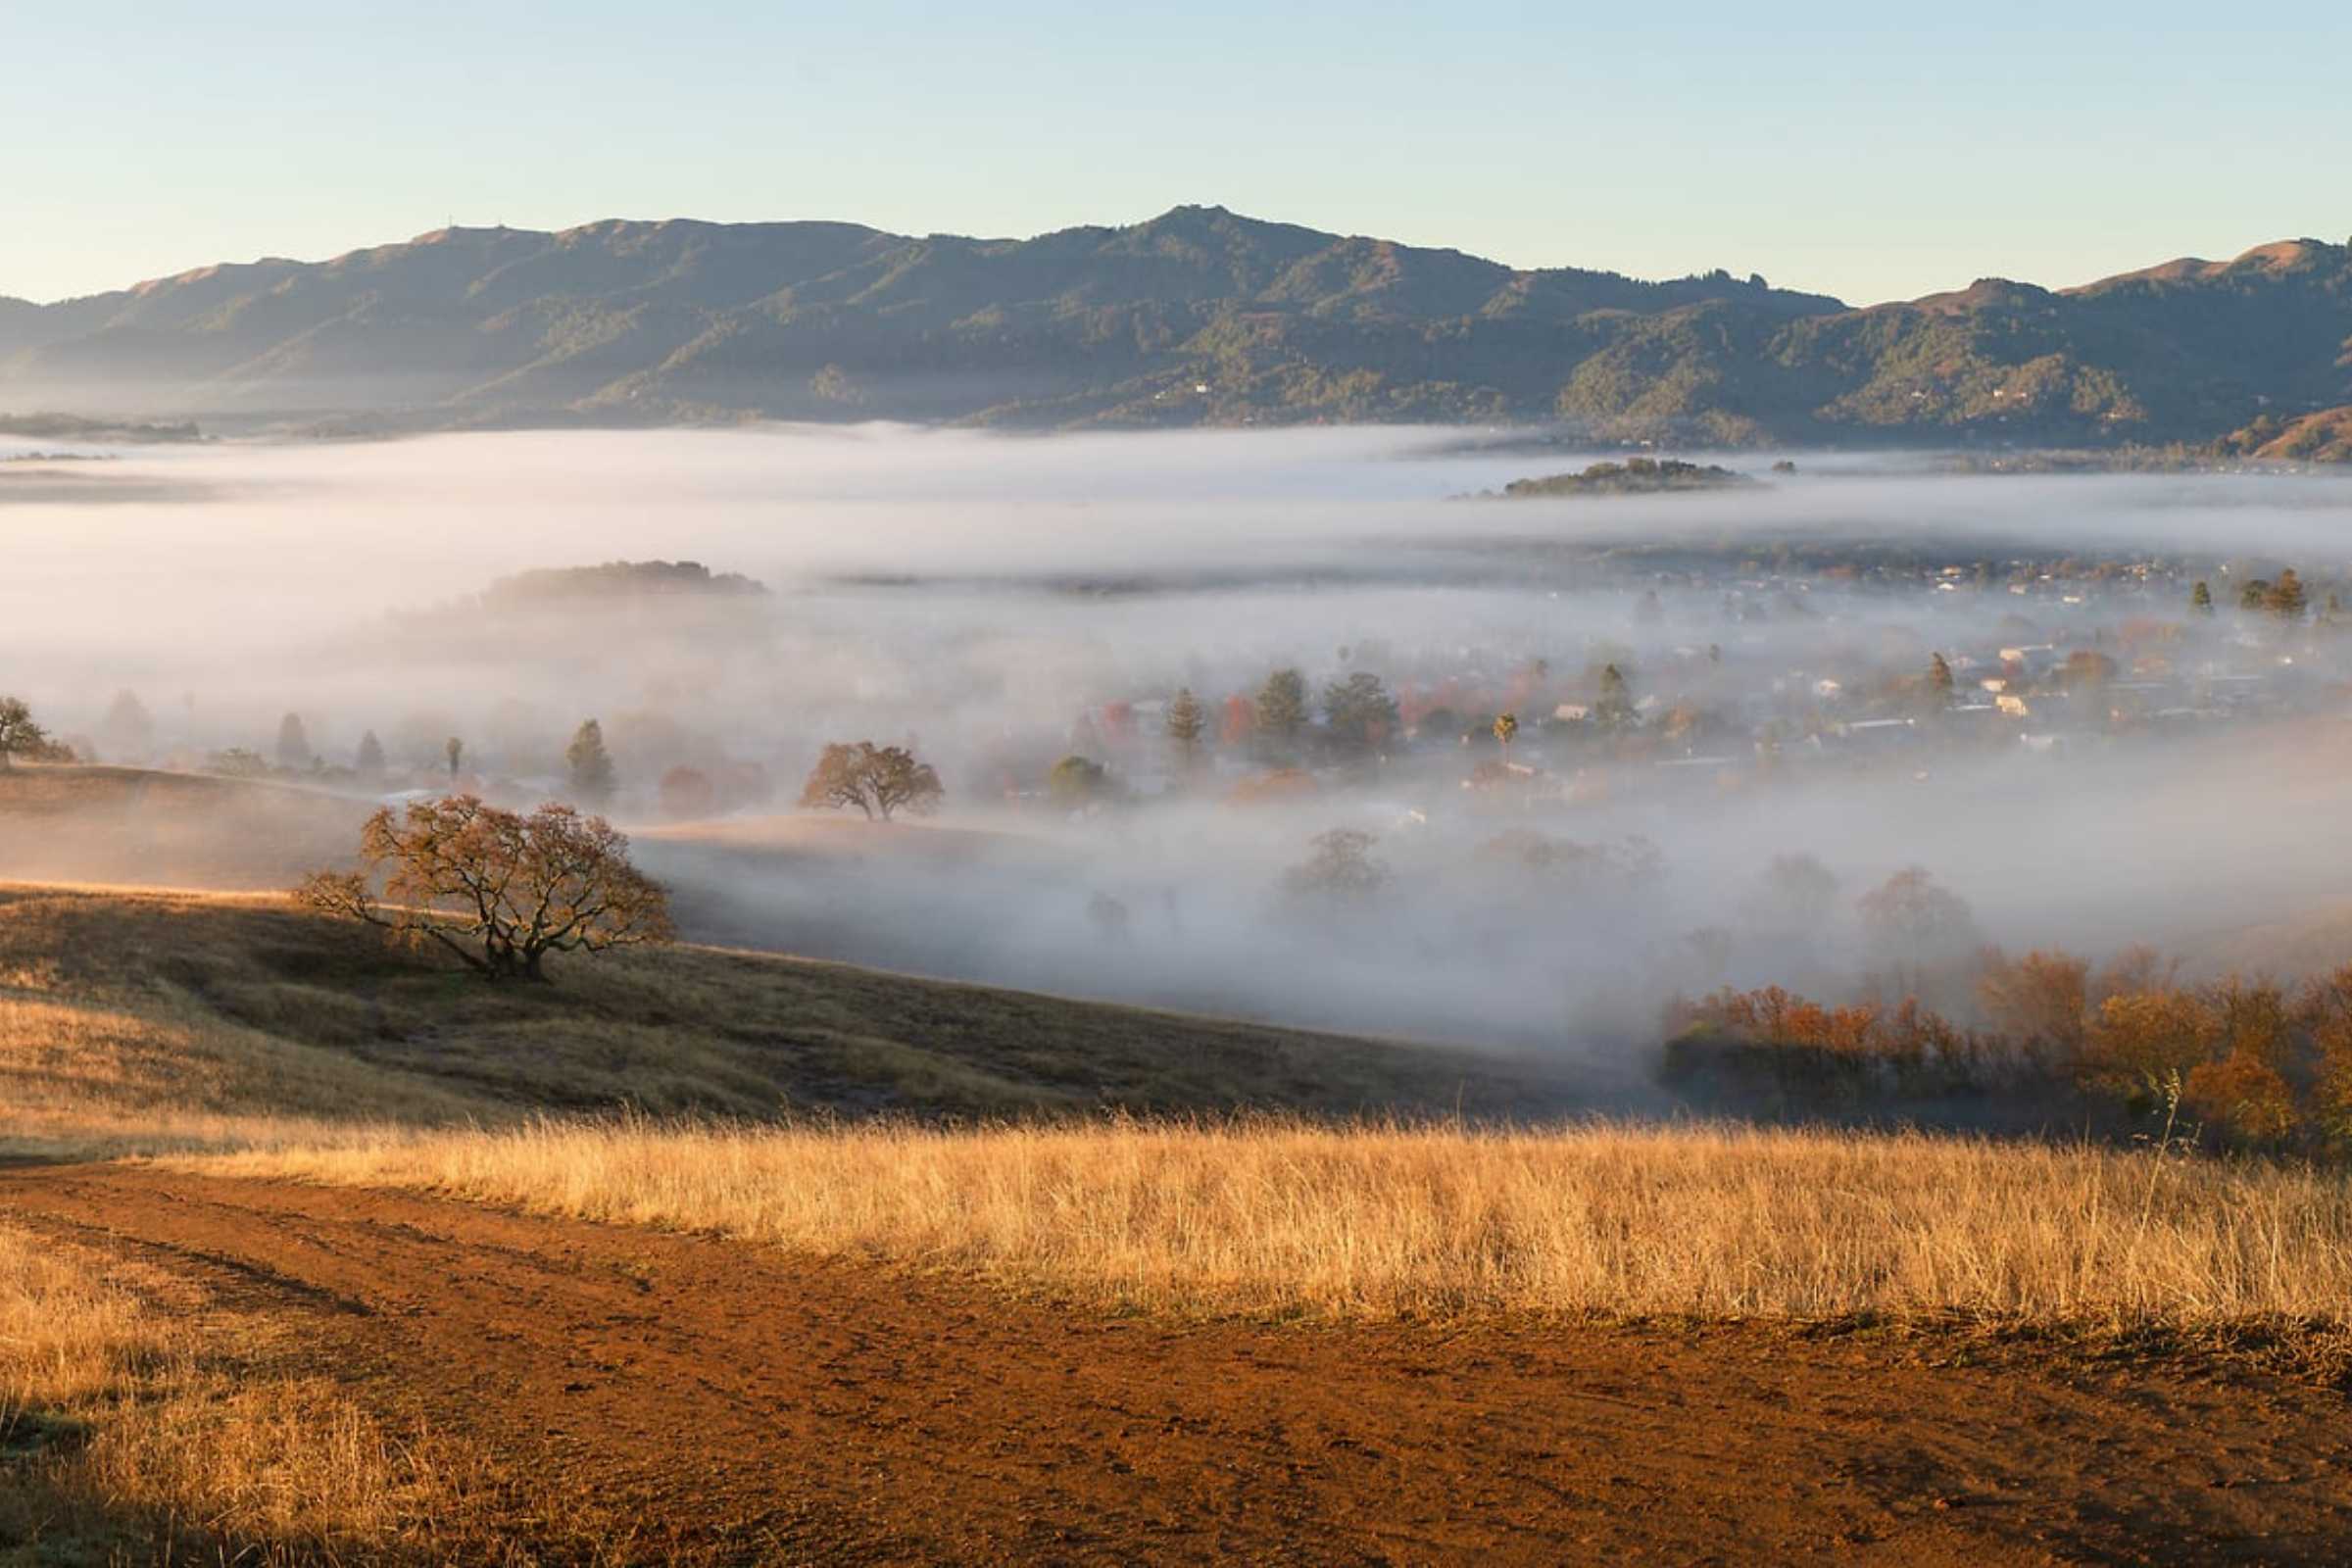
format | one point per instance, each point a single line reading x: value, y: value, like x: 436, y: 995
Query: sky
x: 1867, y: 151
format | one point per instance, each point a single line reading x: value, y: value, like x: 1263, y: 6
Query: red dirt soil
x: 745, y: 1407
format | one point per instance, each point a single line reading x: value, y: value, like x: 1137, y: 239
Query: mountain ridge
x: 1199, y: 315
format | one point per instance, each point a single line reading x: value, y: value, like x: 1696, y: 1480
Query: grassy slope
x: 137, y: 1006
x: 147, y: 827
x: 2323, y: 437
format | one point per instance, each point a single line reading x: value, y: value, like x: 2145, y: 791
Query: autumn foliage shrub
x: 2239, y: 1062
x: 1803, y: 1052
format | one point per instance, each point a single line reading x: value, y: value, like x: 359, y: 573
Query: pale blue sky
x: 1856, y: 149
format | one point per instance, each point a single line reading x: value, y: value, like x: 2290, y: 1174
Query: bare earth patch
x: 738, y: 1404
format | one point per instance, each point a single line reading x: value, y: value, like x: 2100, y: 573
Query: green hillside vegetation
x: 1196, y: 316
x: 1635, y: 476
x: 125, y: 1013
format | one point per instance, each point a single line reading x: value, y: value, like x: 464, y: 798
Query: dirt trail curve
x: 746, y: 1407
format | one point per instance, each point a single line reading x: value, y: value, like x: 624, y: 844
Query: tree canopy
x: 1339, y: 871
x: 1078, y: 782
x: 1360, y: 712
x: 1186, y: 722
x: 294, y: 744
x: 21, y: 736
x: 591, y: 765
x: 497, y: 889
x: 1281, y: 709
x: 879, y: 780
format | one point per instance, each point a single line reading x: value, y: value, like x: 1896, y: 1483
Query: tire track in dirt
x: 741, y: 1405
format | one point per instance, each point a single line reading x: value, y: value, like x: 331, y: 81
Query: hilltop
x: 1197, y: 317
x: 1639, y: 476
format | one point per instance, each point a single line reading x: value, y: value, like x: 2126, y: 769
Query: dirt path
x: 750, y: 1407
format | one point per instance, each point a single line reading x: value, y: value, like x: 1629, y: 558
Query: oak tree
x: 879, y: 780
x: 499, y: 889
x: 20, y: 735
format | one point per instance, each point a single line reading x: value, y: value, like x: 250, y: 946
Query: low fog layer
x: 996, y: 603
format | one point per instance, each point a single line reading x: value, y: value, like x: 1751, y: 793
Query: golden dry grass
x: 123, y: 1437
x: 141, y: 1422
x: 1703, y: 1221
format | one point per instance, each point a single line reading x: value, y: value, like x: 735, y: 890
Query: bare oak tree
x: 876, y: 779
x: 497, y: 889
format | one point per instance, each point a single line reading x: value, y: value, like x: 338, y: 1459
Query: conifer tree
x: 1186, y: 722
x: 1282, y: 704
x: 590, y: 764
x: 294, y: 743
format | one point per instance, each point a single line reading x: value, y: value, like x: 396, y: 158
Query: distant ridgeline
x: 73, y: 427
x: 1199, y: 317
x: 555, y: 586
x: 1633, y: 476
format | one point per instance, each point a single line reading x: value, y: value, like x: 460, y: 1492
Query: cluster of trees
x: 588, y: 764
x: 882, y: 780
x: 2286, y: 597
x: 2248, y: 1062
x: 1338, y: 874
x: 1635, y: 475
x: 1361, y: 717
x: 2283, y: 598
x: 1342, y: 872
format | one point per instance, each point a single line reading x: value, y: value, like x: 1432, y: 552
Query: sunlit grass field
x: 1275, y: 1218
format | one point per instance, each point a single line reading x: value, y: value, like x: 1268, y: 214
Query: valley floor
x: 683, y: 1398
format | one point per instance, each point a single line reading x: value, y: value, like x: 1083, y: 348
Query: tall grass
x: 1715, y: 1221
x: 123, y: 1437
x: 143, y: 1423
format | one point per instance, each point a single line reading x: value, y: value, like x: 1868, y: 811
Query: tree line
x: 2246, y: 1062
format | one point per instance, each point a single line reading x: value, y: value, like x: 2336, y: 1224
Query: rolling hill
x: 1197, y: 317
x: 149, y: 827
x: 148, y: 1019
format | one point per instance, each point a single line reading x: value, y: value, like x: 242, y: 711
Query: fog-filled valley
x: 1735, y: 714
